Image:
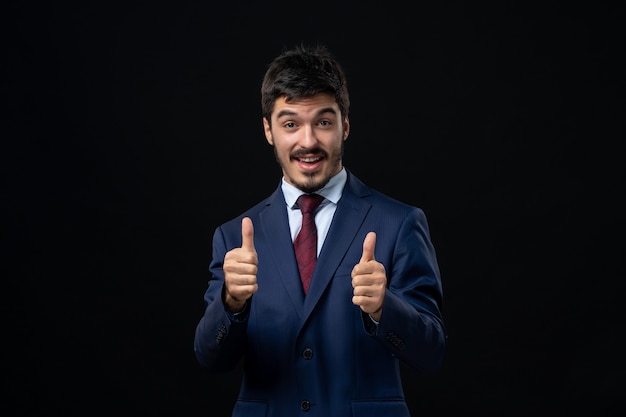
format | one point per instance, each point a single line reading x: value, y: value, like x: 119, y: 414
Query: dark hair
x: 301, y: 72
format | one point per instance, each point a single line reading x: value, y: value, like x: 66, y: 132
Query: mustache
x: 304, y: 152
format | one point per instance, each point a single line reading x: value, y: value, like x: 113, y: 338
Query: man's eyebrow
x: 287, y: 112
x: 326, y: 110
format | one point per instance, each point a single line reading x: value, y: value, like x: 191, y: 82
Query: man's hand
x: 240, y: 268
x: 369, y: 280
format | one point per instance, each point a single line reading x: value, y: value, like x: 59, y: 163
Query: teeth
x: 308, y: 159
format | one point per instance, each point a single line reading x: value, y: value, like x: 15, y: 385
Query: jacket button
x: 305, y: 405
x: 307, y: 353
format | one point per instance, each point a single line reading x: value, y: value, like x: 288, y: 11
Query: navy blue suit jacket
x: 320, y: 353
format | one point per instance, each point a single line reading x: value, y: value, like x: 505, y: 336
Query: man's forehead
x: 320, y: 103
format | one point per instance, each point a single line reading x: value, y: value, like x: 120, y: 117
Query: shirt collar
x: 331, y: 191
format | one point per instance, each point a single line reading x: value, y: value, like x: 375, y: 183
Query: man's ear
x: 346, y: 128
x: 268, y: 131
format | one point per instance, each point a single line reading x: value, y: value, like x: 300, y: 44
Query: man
x: 332, y: 347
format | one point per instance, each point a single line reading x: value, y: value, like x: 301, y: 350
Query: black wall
x: 131, y: 131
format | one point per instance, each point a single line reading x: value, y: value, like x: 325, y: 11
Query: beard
x: 313, y: 182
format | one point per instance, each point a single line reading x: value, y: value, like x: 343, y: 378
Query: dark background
x: 129, y: 132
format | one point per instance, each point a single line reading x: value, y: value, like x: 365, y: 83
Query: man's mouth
x: 309, y: 159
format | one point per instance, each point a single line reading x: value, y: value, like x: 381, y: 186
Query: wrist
x: 233, y: 305
x: 375, y: 316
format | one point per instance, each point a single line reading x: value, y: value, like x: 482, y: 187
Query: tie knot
x: 308, y: 203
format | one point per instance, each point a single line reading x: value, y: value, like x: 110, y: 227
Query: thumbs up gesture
x: 240, y: 268
x: 369, y: 280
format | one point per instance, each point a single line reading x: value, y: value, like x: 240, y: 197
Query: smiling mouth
x: 309, y: 159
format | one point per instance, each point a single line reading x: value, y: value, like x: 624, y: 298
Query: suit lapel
x: 275, y: 225
x: 350, y: 214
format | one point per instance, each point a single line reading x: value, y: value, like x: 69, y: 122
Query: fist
x: 369, y: 280
x: 240, y: 269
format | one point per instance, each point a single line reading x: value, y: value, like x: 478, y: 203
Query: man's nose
x: 309, y: 139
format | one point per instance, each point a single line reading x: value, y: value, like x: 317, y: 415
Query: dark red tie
x: 305, y: 244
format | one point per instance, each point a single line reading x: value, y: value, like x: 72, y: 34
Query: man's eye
x: 324, y: 123
x: 289, y: 125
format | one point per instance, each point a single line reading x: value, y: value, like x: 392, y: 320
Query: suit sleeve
x: 411, y: 324
x: 220, y: 337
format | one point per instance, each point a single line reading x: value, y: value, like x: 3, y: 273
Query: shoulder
x: 274, y: 200
x: 380, y: 201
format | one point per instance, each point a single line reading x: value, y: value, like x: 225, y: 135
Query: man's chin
x: 312, y: 182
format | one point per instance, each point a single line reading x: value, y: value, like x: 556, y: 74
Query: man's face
x: 307, y: 136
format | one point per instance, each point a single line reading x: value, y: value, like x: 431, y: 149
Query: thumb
x: 368, y: 247
x: 247, y: 234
